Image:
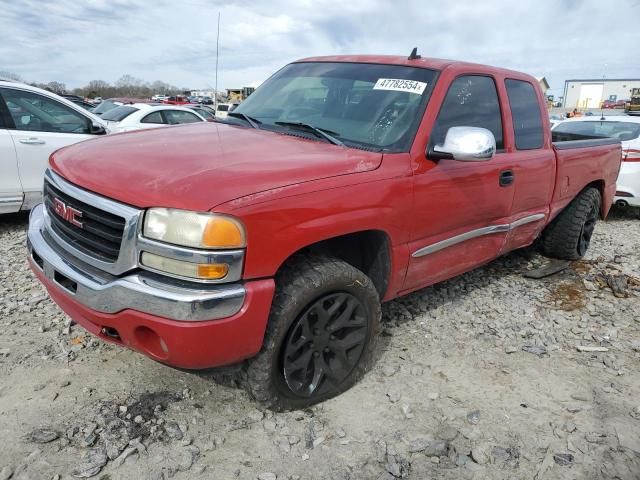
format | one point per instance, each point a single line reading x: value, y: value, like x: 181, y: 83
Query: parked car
x: 34, y: 123
x: 621, y: 127
x: 159, y: 98
x: 269, y: 240
x: 222, y: 109
x: 176, y: 100
x: 72, y: 98
x: 105, y: 106
x: 555, y: 119
x: 204, y: 111
x: 86, y: 105
x: 206, y: 101
x: 143, y: 115
x: 112, y: 103
x: 614, y: 103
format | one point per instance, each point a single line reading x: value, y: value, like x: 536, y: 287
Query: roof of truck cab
x: 423, y: 62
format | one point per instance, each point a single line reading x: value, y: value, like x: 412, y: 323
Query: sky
x: 75, y: 41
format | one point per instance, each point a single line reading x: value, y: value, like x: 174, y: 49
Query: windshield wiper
x: 324, y: 133
x: 254, y: 122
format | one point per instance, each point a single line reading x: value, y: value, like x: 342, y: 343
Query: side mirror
x: 97, y: 129
x: 466, y: 144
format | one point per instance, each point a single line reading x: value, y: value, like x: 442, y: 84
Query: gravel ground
x: 481, y: 377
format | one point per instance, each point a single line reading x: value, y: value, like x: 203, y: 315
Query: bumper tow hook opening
x: 65, y: 282
x: 110, y: 332
x: 38, y: 261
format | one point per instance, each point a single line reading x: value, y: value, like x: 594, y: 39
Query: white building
x: 590, y: 93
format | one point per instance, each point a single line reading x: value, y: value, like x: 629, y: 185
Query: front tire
x: 568, y: 236
x: 321, y: 336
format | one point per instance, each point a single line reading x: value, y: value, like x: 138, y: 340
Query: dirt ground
x: 481, y: 377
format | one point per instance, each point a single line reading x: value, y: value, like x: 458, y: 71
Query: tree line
x: 125, y: 86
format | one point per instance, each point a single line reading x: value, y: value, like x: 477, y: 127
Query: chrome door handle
x: 32, y: 141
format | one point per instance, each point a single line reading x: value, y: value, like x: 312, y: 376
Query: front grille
x: 635, y: 101
x: 101, y: 232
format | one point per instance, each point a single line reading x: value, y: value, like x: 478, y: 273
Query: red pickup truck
x: 176, y: 100
x: 269, y: 240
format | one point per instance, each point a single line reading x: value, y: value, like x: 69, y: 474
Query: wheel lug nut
x: 316, y: 354
x: 326, y: 349
x: 316, y: 331
x: 332, y: 337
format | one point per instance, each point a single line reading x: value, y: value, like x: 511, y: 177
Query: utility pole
x: 215, y: 94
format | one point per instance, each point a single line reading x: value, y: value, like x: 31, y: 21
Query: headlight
x: 193, y: 229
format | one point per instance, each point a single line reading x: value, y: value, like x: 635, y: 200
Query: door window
x: 525, y: 111
x: 175, y: 117
x: 36, y: 113
x: 472, y: 101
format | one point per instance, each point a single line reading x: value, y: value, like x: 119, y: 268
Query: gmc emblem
x: 66, y: 212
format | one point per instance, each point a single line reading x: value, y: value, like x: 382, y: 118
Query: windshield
x: 119, y: 113
x: 623, y: 131
x: 105, y: 106
x: 363, y: 105
x: 223, y: 108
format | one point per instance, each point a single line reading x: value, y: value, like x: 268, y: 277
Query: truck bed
x: 580, y: 159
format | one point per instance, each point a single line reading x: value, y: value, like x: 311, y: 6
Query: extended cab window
x: 472, y: 101
x: 525, y: 111
x: 363, y: 105
x: 36, y: 113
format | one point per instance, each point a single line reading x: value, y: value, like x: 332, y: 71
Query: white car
x: 222, y: 110
x: 623, y: 127
x: 34, y: 123
x: 137, y: 116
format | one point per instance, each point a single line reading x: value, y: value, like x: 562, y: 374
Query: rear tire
x: 568, y: 236
x: 321, y: 336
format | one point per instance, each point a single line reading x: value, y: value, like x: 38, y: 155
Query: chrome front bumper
x: 142, y: 291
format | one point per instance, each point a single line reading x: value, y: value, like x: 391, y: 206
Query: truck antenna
x: 414, y: 54
x: 215, y: 94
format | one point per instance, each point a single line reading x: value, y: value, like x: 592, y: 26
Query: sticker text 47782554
x: 399, y: 85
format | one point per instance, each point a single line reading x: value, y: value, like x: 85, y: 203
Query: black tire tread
x: 561, y: 236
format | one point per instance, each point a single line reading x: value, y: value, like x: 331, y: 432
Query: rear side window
x: 525, y: 111
x: 155, y: 117
x: 472, y: 101
x: 175, y: 117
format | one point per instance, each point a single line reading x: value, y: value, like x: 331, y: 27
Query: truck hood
x: 199, y: 166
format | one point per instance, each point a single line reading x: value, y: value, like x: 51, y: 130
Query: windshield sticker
x: 399, y: 85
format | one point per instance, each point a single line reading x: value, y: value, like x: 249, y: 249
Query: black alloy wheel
x: 324, y: 344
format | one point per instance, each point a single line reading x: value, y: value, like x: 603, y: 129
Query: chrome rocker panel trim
x: 144, y: 292
x: 479, y: 232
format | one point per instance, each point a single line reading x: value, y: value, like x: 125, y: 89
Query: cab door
x: 461, y: 209
x: 41, y: 125
x: 535, y: 170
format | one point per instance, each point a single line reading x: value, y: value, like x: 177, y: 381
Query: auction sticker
x: 399, y: 85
